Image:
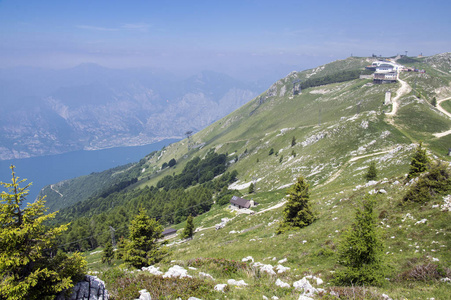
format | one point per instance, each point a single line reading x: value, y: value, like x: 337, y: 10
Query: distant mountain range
x: 92, y: 107
x: 333, y: 121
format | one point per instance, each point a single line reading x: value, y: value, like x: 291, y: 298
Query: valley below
x: 372, y: 180
x: 90, y: 107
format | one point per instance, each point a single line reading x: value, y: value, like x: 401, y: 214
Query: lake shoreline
x: 51, y: 169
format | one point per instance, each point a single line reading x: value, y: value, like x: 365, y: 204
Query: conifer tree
x: 361, y: 249
x: 143, y: 248
x: 298, y: 211
x: 189, y: 228
x: 437, y: 181
x: 251, y: 188
x: 108, y: 253
x: 419, y: 162
x: 30, y: 267
x: 434, y: 102
x: 372, y: 172
x: 121, y: 248
x: 293, y: 142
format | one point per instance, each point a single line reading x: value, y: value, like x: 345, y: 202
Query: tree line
x: 341, y: 76
x: 94, y: 220
x: 196, y: 171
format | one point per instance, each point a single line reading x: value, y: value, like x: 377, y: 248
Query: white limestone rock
x: 144, y: 295
x: 282, y: 284
x: 152, y: 270
x: 319, y: 281
x: 176, y: 271
x: 280, y: 269
x: 220, y: 287
x: 305, y: 286
x: 248, y: 258
x: 236, y: 283
x: 206, y: 275
x: 282, y: 261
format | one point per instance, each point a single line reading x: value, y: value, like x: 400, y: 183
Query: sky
x: 222, y: 35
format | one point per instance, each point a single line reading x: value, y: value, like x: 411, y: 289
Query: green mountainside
x: 326, y: 124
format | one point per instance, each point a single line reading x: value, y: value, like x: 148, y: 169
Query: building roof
x: 386, y: 66
x: 169, y: 231
x: 240, y: 202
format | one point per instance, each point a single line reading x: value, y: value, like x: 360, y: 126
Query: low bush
x: 224, y: 266
x: 355, y: 292
x: 125, y: 285
x: 425, y: 272
x: 436, y: 181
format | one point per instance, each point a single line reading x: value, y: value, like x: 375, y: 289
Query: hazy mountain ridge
x: 332, y: 124
x: 91, y: 107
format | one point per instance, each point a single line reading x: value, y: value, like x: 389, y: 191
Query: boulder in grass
x: 282, y: 284
x: 236, y: 283
x: 220, y: 287
x: 176, y: 271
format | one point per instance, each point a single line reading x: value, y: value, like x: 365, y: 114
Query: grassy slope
x: 447, y: 105
x: 68, y: 192
x: 333, y: 155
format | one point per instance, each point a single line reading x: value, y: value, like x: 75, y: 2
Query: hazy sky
x: 213, y: 34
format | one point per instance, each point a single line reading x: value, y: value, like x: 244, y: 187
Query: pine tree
x: 121, y: 248
x: 372, y: 172
x: 361, y: 249
x: 189, y: 228
x: 298, y: 211
x: 172, y: 163
x: 437, y: 181
x: 108, y: 253
x: 434, y: 102
x: 142, y: 248
x: 419, y: 162
x: 29, y: 267
x: 251, y: 188
x: 293, y: 142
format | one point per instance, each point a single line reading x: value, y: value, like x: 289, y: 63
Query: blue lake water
x: 45, y: 170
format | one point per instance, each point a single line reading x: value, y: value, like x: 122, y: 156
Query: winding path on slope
x: 346, y: 164
x: 440, y: 108
x: 280, y: 204
x: 404, y: 89
x: 56, y: 191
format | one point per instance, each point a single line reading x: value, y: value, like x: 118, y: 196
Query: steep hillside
x: 332, y: 124
x: 330, y: 134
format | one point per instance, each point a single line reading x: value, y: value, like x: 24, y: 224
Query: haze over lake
x: 45, y: 170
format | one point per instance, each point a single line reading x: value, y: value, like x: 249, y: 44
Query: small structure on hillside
x: 386, y: 71
x: 168, y: 232
x: 239, y: 203
x: 387, y: 100
x: 385, y: 66
x: 388, y: 77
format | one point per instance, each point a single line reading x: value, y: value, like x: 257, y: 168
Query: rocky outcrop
x: 91, y: 288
